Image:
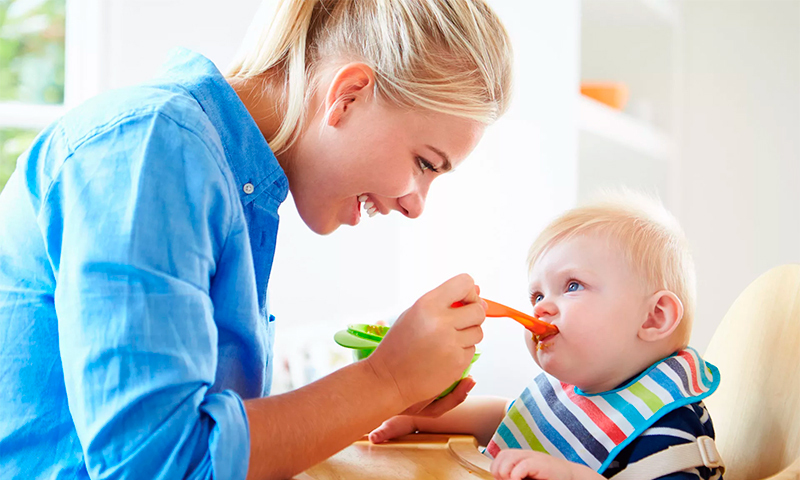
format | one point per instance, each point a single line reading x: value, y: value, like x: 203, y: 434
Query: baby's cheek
x: 529, y: 342
x: 597, y: 350
x: 532, y: 348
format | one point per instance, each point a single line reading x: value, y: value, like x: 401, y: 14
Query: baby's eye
x: 574, y: 286
x: 537, y: 297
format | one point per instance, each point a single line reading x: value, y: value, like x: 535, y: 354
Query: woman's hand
x: 434, y: 408
x: 431, y: 344
x: 515, y: 464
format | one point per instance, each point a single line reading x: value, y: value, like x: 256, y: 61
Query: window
x: 32, y: 57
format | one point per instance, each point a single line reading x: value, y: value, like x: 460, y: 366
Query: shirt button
x: 248, y: 188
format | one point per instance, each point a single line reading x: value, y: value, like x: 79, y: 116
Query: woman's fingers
x: 468, y: 316
x: 469, y: 337
x: 432, y: 343
x: 460, y: 288
x: 450, y: 401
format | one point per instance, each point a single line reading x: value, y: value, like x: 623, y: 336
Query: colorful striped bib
x: 561, y: 420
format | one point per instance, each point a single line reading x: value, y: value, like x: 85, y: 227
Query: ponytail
x: 448, y: 56
x: 281, y: 46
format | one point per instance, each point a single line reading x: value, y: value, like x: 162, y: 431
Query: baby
x: 620, y: 389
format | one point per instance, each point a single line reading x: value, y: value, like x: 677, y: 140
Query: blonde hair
x: 448, y: 56
x: 649, y: 237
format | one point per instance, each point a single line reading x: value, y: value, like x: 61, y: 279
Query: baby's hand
x: 424, y: 415
x: 515, y: 464
x: 396, y: 426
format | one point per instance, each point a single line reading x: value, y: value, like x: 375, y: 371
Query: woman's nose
x: 413, y: 204
x: 544, y: 309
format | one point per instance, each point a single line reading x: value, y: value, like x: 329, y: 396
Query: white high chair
x: 756, y: 410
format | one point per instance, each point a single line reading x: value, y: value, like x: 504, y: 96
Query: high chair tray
x: 417, y: 456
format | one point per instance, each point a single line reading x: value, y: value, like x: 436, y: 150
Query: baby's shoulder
x: 681, y: 425
x: 692, y: 419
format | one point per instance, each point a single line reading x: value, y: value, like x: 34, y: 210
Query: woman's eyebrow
x: 446, y: 166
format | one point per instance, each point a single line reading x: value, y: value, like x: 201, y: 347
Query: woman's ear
x: 351, y: 85
x: 664, y: 314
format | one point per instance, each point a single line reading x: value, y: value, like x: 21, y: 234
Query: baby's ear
x: 664, y: 314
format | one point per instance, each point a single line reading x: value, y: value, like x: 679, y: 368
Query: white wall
x: 115, y: 43
x: 741, y: 152
x: 740, y: 166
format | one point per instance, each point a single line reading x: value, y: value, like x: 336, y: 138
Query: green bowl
x: 363, y: 339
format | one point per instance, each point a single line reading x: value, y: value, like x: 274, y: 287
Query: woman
x: 138, y: 234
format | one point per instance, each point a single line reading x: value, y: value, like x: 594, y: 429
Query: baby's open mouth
x: 543, y: 336
x: 540, y: 340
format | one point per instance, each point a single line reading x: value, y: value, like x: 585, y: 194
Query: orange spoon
x: 539, y: 328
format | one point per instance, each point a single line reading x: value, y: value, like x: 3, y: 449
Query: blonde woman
x: 138, y: 234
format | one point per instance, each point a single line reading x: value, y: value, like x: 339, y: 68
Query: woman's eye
x: 426, y: 165
x: 574, y: 287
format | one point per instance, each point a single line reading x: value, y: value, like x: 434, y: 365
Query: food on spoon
x: 376, y: 329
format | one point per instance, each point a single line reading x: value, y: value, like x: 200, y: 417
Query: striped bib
x: 561, y: 420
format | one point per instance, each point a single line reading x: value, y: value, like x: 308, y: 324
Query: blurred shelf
x: 625, y: 131
x: 615, y: 13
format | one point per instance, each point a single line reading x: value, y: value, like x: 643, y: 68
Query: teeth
x: 369, y: 206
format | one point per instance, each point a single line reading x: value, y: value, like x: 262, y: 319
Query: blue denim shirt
x: 136, y: 241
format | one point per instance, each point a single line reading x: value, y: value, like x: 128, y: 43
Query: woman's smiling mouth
x: 370, y: 205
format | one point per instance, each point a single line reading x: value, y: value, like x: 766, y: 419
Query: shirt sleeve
x: 134, y: 222
x: 682, y: 425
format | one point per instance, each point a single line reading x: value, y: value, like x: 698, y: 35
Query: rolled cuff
x: 229, y: 442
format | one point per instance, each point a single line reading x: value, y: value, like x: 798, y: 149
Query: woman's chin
x: 319, y: 224
x: 324, y: 229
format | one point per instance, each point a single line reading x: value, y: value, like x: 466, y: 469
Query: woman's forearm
x: 478, y: 416
x: 291, y: 432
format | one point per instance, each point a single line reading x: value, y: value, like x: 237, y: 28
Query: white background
x: 734, y: 184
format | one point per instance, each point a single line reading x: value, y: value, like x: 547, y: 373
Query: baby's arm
x: 478, y: 416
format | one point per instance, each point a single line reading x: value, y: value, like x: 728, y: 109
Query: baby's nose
x: 544, y: 308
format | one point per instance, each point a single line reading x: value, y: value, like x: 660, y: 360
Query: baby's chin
x: 562, y: 369
x: 548, y: 362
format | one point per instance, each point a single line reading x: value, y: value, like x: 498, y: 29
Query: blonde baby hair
x: 448, y: 56
x: 649, y: 237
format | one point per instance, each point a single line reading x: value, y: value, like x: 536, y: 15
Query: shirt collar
x: 247, y: 152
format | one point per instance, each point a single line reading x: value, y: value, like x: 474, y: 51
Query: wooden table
x: 418, y: 456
